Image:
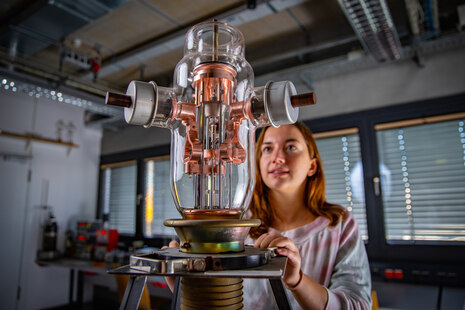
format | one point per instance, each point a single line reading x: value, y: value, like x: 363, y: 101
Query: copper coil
x: 211, y: 293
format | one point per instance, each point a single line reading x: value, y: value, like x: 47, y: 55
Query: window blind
x: 158, y: 204
x: 424, y: 193
x: 119, y: 197
x: 342, y: 166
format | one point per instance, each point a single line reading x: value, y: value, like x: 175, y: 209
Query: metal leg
x: 133, y: 293
x: 280, y: 294
x: 71, y: 285
x: 80, y: 288
x: 176, y: 301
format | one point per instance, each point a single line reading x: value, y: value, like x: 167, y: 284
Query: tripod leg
x: 176, y: 301
x: 133, y: 293
x: 280, y: 294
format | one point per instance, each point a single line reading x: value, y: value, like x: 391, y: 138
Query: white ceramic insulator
x: 278, y: 103
x: 144, y: 103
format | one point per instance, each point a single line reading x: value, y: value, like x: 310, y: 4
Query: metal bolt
x: 199, y: 264
x: 186, y: 245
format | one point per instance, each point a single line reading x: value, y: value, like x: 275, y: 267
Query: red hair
x: 314, y: 191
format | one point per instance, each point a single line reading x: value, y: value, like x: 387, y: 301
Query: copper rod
x: 118, y: 100
x: 302, y: 100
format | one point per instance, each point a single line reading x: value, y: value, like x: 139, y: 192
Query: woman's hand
x: 170, y: 279
x: 286, y: 247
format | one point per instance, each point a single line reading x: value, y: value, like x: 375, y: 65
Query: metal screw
x: 199, y: 264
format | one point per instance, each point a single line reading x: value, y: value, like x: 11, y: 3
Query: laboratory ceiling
x: 99, y: 45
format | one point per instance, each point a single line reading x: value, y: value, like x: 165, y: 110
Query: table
x: 81, y: 267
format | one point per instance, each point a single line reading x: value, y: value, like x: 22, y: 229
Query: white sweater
x: 335, y: 257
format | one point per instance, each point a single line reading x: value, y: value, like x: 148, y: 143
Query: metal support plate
x: 273, y: 269
x: 171, y: 261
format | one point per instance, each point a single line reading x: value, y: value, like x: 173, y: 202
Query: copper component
x: 213, y: 89
x: 186, y: 110
x: 210, y: 153
x: 211, y: 214
x: 214, y: 82
x: 118, y: 100
x: 235, y: 149
x: 193, y: 149
x: 175, y: 109
x: 214, y: 70
x: 248, y: 109
x: 303, y: 99
x: 192, y: 167
x: 237, y: 111
x: 208, y: 170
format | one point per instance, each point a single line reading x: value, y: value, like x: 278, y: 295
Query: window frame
x: 102, y: 178
x: 339, y: 133
x: 404, y: 125
x: 378, y: 249
x: 139, y: 155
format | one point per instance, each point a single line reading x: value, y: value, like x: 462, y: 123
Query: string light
x: 345, y: 150
x: 405, y: 180
x: 8, y: 84
x: 462, y: 138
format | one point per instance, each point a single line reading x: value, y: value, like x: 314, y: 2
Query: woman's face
x: 285, y: 162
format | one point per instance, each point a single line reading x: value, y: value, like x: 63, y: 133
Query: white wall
x: 72, y: 177
x: 133, y: 138
x: 393, y: 83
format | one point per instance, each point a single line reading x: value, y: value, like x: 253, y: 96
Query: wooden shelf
x: 31, y: 137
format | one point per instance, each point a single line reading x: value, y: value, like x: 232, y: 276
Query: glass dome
x: 212, y: 146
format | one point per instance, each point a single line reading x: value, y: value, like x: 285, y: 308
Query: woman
x: 327, y: 266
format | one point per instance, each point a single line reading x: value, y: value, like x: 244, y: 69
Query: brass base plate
x: 212, y: 236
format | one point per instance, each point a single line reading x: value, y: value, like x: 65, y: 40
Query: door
x: 13, y: 200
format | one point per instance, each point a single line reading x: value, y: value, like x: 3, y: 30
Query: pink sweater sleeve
x: 350, y: 283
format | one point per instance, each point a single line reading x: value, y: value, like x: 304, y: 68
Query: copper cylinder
x: 303, y: 99
x: 211, y: 214
x: 211, y: 293
x: 118, y: 100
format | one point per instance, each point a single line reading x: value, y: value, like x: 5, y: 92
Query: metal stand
x: 133, y: 292
x: 272, y: 271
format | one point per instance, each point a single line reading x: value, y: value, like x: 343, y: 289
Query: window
x: 118, y: 195
x: 158, y: 204
x: 342, y: 166
x: 423, y: 187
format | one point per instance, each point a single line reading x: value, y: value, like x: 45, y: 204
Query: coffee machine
x: 212, y: 111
